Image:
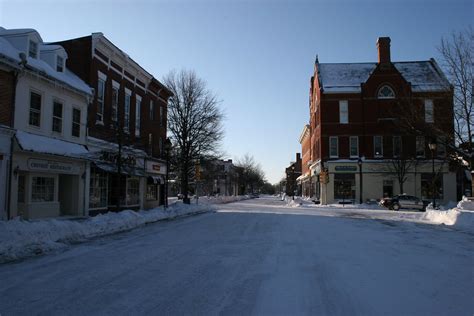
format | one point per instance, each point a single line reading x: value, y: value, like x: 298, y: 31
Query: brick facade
x: 7, y: 93
x: 87, y: 66
x: 367, y: 102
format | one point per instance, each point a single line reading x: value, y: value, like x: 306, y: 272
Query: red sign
x: 156, y: 167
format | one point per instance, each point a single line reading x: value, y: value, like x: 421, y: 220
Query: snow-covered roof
x: 49, y: 145
x: 9, y: 32
x: 424, y: 76
x: 67, y: 77
x: 101, y: 144
x: 344, y: 77
x: 51, y: 47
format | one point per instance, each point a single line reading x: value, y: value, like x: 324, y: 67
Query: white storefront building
x: 49, y: 159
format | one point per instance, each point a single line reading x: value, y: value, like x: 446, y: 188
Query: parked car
x: 404, y: 201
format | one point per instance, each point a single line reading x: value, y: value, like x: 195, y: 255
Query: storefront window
x: 133, y: 190
x: 427, y: 186
x: 98, y: 189
x: 152, y: 192
x: 42, y: 189
x: 344, y: 186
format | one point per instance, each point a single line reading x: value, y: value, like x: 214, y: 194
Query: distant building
x: 218, y: 177
x: 293, y: 172
x: 358, y: 114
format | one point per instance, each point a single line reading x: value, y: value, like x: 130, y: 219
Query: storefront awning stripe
x: 156, y: 179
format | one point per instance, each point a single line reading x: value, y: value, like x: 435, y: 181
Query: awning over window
x: 155, y: 180
x: 49, y: 145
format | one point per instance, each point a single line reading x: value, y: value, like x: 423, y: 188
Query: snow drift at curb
x: 461, y: 217
x: 20, y: 239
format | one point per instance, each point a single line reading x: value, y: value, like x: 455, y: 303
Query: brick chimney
x: 383, y: 47
x: 298, y: 157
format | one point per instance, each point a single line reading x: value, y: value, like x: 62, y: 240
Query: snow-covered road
x: 254, y: 257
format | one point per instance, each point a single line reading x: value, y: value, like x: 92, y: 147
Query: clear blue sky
x: 256, y: 55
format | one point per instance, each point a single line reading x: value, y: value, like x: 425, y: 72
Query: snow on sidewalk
x: 461, y: 216
x: 20, y: 239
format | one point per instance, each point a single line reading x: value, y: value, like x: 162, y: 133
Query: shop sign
x: 346, y: 168
x: 155, y: 167
x: 52, y: 166
x: 112, y: 157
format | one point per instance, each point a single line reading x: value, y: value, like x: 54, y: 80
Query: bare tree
x: 251, y: 175
x: 195, y: 123
x: 458, y: 60
x: 401, y: 166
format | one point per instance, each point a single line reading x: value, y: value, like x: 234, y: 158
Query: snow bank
x: 462, y: 216
x: 221, y: 199
x: 297, y: 202
x: 20, y: 239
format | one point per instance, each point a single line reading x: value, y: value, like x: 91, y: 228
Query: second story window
x: 161, y: 146
x: 343, y: 112
x: 100, y: 100
x: 386, y: 92
x: 35, y: 109
x: 354, y: 146
x: 76, y: 122
x: 137, y: 116
x: 115, y: 100
x: 33, y: 50
x: 420, y: 146
x: 378, y: 146
x: 162, y: 118
x: 126, y: 111
x: 150, y: 144
x: 57, y: 117
x: 59, y: 64
x: 333, y: 147
x: 429, y: 114
x: 397, y: 146
x: 152, y: 110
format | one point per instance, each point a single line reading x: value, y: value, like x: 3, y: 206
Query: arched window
x: 385, y: 92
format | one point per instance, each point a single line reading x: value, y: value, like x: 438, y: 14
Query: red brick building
x: 129, y: 108
x: 293, y: 172
x: 360, y: 114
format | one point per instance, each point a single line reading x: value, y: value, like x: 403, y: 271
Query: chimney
x: 383, y: 47
x: 298, y: 157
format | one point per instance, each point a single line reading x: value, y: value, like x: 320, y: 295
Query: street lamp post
x: 359, y: 162
x: 432, y: 146
x: 167, y: 149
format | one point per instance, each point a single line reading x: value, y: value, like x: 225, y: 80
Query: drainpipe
x: 12, y: 124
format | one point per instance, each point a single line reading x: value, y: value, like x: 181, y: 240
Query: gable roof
x: 11, y: 55
x: 424, y: 76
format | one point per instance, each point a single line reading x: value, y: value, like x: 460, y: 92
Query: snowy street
x: 254, y: 257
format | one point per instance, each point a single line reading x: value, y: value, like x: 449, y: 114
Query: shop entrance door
x: 68, y: 194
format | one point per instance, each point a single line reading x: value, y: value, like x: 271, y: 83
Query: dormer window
x: 385, y: 92
x: 33, y: 50
x: 59, y: 64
